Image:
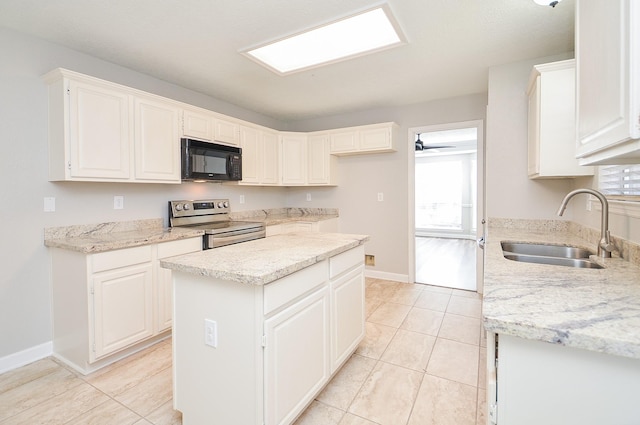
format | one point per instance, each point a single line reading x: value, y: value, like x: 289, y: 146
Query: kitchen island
x: 261, y: 327
x: 568, y: 339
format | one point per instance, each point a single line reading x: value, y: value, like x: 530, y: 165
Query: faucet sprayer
x: 604, y: 246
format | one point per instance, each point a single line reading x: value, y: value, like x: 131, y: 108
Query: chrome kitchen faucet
x: 604, y: 246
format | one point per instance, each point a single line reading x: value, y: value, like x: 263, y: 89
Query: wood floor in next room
x: 422, y: 363
x: 446, y: 262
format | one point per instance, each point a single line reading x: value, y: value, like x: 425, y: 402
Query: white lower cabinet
x: 107, y: 305
x: 347, y: 304
x: 277, y: 345
x: 296, y: 357
x: 164, y: 282
x: 122, y: 308
x: 544, y: 383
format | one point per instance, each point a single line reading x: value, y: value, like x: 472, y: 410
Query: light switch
x: 308, y: 196
x: 242, y: 199
x: 380, y: 196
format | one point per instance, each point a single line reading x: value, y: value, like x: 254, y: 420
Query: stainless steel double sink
x: 540, y: 253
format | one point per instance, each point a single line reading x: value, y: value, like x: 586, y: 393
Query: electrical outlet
x: 242, y: 199
x: 380, y: 196
x: 49, y: 204
x: 118, y: 202
x: 369, y: 260
x: 211, y: 333
x: 308, y: 196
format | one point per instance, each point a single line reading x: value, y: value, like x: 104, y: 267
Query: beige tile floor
x: 421, y: 363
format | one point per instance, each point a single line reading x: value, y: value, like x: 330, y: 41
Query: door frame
x: 480, y: 225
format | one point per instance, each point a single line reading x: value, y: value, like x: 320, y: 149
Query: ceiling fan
x: 421, y: 147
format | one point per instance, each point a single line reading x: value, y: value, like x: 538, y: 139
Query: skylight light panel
x: 360, y: 34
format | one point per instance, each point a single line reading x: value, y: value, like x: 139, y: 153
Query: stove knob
x: 186, y: 207
x: 178, y: 207
x: 221, y: 204
x: 226, y: 204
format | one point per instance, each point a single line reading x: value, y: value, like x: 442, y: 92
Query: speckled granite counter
x: 262, y: 261
x: 102, y: 237
x: 272, y: 217
x: 592, y: 309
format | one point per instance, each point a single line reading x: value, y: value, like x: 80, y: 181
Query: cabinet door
x: 164, y: 281
x: 198, y: 125
x: 296, y: 357
x: 608, y: 61
x: 375, y: 139
x: 347, y: 315
x: 319, y: 160
x: 157, y: 141
x: 270, y: 159
x: 294, y: 160
x: 346, y: 141
x: 226, y: 132
x: 251, y: 155
x: 99, y: 139
x: 122, y: 308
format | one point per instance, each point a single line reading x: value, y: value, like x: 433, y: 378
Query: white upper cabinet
x: 321, y: 166
x: 293, y: 159
x: 552, y: 122
x: 271, y: 158
x: 156, y: 135
x: 226, y: 131
x: 96, y: 142
x: 260, y: 157
x: 197, y: 124
x: 608, y: 81
x: 305, y: 160
x: 100, y: 131
x: 375, y: 138
x: 209, y: 126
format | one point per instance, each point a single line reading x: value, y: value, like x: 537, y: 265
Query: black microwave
x: 204, y: 161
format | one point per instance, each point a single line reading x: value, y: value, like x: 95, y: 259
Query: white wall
x: 363, y: 176
x: 24, y: 282
x: 509, y: 191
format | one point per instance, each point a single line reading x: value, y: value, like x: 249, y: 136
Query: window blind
x: 620, y: 180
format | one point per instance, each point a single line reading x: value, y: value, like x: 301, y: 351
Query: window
x: 620, y: 181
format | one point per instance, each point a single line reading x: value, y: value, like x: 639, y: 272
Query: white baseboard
x: 397, y: 277
x: 30, y: 355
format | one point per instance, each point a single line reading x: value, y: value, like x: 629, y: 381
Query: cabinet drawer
x: 120, y: 258
x: 290, y: 287
x: 345, y: 261
x: 183, y: 246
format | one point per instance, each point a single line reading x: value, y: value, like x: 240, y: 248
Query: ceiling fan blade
x: 436, y: 147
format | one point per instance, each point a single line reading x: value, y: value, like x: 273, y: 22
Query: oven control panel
x: 196, y: 208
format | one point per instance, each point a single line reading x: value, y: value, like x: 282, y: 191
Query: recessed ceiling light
x: 359, y: 34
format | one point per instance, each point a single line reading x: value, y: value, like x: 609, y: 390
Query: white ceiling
x: 196, y: 44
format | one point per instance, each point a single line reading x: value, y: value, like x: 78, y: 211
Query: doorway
x: 447, y: 173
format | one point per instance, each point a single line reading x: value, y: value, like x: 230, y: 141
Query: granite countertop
x: 262, y: 261
x: 271, y: 217
x: 592, y: 309
x: 93, y: 238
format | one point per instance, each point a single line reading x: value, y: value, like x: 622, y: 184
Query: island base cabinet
x: 543, y: 383
x: 274, y: 349
x: 296, y: 357
x: 222, y: 384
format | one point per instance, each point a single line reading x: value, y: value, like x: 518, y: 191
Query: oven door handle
x: 217, y: 240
